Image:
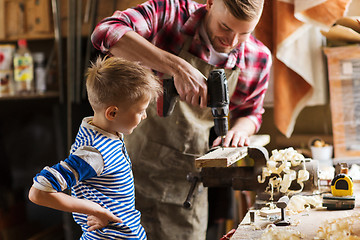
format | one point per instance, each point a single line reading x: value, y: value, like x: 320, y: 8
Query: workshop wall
x: 312, y: 120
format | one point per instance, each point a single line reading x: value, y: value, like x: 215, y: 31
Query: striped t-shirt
x: 98, y: 169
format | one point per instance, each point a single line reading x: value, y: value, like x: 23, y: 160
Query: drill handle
x: 166, y: 102
x: 218, y: 89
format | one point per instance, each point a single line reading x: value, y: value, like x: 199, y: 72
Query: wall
x: 312, y: 121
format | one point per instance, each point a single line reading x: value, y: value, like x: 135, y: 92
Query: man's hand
x: 238, y: 135
x: 189, y: 82
x: 233, y: 139
x: 191, y: 85
x: 101, y: 220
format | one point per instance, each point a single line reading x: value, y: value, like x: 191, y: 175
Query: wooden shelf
x: 49, y: 94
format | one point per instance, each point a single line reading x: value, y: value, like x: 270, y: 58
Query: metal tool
x: 194, y: 179
x: 282, y: 204
x: 218, y: 100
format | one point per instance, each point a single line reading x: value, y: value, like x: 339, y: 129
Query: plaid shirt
x: 166, y: 23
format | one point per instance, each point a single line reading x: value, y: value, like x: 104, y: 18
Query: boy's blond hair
x: 112, y: 80
x: 245, y: 9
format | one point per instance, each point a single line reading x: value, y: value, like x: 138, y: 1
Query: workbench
x: 306, y: 222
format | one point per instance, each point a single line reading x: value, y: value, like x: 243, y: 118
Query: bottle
x: 40, y: 72
x: 23, y: 69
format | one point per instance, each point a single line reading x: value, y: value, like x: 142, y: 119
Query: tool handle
x: 218, y: 91
x: 187, y: 204
x: 166, y: 102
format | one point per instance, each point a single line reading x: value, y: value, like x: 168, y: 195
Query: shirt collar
x: 192, y: 25
x: 87, y: 122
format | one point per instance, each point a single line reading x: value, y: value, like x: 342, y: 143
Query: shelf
x: 49, y: 94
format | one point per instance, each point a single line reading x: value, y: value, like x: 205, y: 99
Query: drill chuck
x: 221, y: 126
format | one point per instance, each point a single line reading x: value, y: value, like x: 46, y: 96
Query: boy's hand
x: 102, y: 220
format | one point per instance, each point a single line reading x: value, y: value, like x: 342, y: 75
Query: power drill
x: 218, y: 96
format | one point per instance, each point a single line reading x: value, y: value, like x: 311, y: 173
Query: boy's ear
x: 110, y: 112
x: 209, y: 4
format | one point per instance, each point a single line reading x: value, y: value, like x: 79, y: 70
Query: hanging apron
x: 163, y: 152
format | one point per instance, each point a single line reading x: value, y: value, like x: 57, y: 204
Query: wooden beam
x: 2, y: 19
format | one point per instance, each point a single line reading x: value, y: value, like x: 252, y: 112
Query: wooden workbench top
x: 307, y: 222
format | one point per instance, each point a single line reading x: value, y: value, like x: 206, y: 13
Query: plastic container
x: 23, y: 69
x: 323, y: 155
x: 40, y: 72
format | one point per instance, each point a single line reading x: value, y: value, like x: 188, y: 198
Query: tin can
x: 6, y: 56
x: 6, y: 83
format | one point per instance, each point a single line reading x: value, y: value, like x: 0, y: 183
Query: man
x: 186, y: 40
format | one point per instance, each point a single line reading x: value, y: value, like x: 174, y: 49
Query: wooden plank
x: 40, y: 17
x: 221, y: 157
x: 259, y: 140
x: 224, y: 157
x: 2, y: 19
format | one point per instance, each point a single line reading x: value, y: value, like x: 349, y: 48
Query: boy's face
x: 127, y: 119
x: 224, y: 30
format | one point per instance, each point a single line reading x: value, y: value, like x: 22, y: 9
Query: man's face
x: 224, y: 30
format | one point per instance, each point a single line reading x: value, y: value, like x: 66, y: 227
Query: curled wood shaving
x: 345, y: 228
x: 280, y: 233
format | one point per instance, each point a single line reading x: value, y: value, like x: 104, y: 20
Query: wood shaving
x: 299, y: 203
x: 279, y: 164
x: 345, y: 228
x: 280, y: 233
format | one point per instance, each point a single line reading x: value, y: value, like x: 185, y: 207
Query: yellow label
x: 23, y: 68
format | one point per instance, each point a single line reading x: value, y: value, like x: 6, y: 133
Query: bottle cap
x: 22, y: 42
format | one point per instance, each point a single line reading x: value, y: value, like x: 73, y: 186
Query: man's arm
x: 64, y: 202
x: 189, y: 82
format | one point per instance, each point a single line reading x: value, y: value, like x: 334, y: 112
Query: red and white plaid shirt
x: 166, y: 23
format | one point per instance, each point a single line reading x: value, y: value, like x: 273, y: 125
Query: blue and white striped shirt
x: 98, y: 169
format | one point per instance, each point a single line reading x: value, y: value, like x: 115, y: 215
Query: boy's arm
x: 64, y: 202
x: 49, y: 184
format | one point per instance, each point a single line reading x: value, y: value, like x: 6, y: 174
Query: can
x: 6, y: 56
x: 6, y: 83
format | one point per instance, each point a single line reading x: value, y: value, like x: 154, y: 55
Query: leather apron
x: 163, y: 151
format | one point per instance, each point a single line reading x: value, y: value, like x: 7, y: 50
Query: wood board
x: 224, y: 157
x: 221, y: 157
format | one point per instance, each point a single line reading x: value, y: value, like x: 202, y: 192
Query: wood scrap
x: 352, y: 22
x: 341, y: 33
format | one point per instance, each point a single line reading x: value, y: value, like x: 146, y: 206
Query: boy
x: 98, y: 169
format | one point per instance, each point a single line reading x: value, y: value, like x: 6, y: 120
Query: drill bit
x: 222, y: 141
